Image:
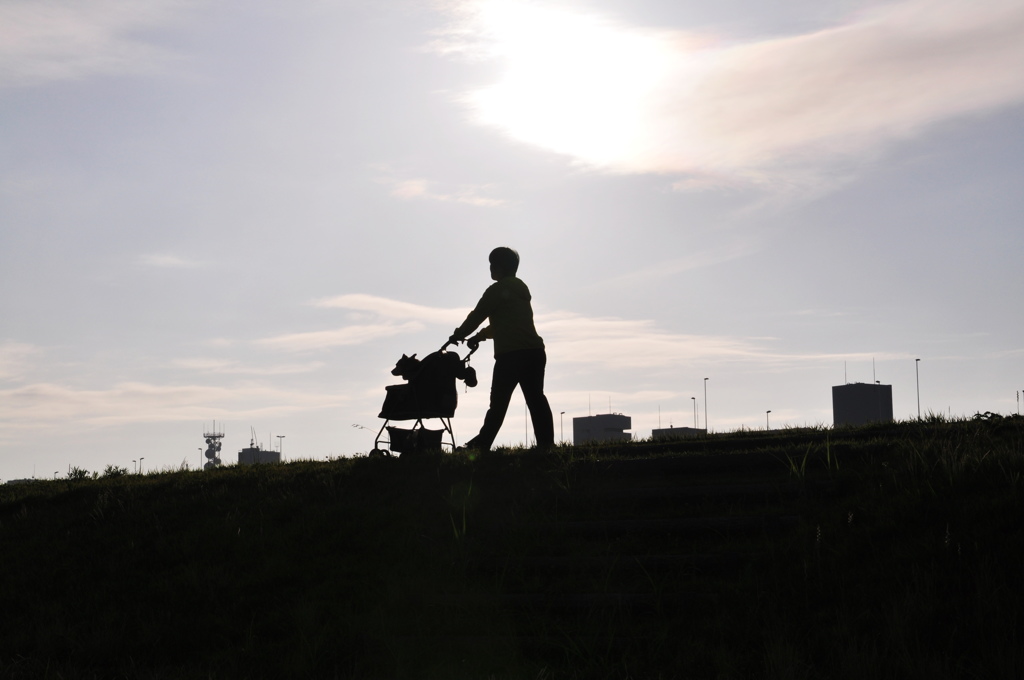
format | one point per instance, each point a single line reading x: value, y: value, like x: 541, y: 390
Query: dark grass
x: 385, y: 568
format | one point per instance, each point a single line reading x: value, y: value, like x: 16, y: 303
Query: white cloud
x: 349, y: 335
x: 778, y: 112
x: 377, y: 317
x: 167, y: 261
x: 40, y: 404
x: 630, y: 344
x: 412, y: 189
x: 394, y: 309
x: 607, y: 342
x: 66, y: 39
x: 236, y: 368
x: 16, y: 359
x: 724, y: 250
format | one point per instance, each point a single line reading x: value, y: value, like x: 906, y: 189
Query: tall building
x: 608, y: 427
x: 861, y: 403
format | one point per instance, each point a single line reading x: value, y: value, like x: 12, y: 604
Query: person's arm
x: 475, y: 318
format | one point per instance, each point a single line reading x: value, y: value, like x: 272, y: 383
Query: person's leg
x: 531, y: 380
x: 503, y: 383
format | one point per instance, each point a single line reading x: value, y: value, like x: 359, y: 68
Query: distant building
x: 861, y: 403
x: 21, y: 481
x: 254, y: 455
x: 608, y: 427
x: 677, y: 433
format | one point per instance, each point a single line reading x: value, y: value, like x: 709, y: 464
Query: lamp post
x: 200, y: 458
x: 706, y: 405
x: 140, y: 464
x: 694, y: 399
x: 561, y: 426
x: 917, y: 375
x: 767, y: 424
x: 280, y: 444
x: 136, y: 466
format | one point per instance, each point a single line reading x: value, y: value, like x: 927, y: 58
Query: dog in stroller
x: 429, y: 392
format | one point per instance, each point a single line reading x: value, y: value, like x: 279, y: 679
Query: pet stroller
x: 429, y: 393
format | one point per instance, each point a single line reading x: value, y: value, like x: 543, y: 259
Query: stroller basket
x: 415, y: 440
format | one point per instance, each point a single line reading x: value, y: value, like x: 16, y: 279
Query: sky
x: 246, y: 212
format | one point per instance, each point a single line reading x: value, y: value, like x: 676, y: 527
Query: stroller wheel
x: 379, y: 453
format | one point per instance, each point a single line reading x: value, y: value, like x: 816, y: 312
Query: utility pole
x: 706, y: 405
x: 917, y: 374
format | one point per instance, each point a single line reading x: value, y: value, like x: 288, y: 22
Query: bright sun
x: 576, y: 84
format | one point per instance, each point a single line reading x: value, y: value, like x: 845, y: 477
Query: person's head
x: 504, y: 262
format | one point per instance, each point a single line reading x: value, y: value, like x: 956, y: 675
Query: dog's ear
x: 412, y: 357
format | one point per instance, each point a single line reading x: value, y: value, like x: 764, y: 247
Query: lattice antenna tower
x: 213, y: 438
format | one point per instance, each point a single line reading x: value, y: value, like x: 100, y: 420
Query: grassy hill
x: 881, y: 552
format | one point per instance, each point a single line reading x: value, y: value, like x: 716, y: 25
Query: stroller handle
x: 449, y: 343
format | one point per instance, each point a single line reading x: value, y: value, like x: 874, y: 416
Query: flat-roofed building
x: 677, y: 433
x: 861, y: 403
x: 607, y: 427
x: 254, y: 455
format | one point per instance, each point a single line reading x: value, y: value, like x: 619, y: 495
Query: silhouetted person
x: 519, y: 356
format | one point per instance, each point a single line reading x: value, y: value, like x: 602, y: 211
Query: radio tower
x: 213, y: 443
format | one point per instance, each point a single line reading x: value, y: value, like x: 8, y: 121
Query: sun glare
x: 785, y: 111
x: 574, y: 83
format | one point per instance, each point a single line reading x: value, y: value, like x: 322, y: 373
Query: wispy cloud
x: 777, y: 112
x: 608, y: 342
x: 16, y: 359
x: 168, y: 261
x: 624, y: 343
x: 627, y: 344
x: 61, y: 40
x: 38, y: 404
x: 236, y: 368
x: 339, y: 337
x: 375, y: 317
x: 394, y: 309
x: 422, y: 189
x: 724, y: 250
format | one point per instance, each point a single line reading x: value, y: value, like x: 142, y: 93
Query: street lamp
x: 706, y: 405
x: 136, y: 468
x: 200, y: 458
x: 694, y: 412
x: 767, y: 424
x: 140, y: 464
x: 280, y: 444
x: 917, y: 374
x: 561, y: 426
